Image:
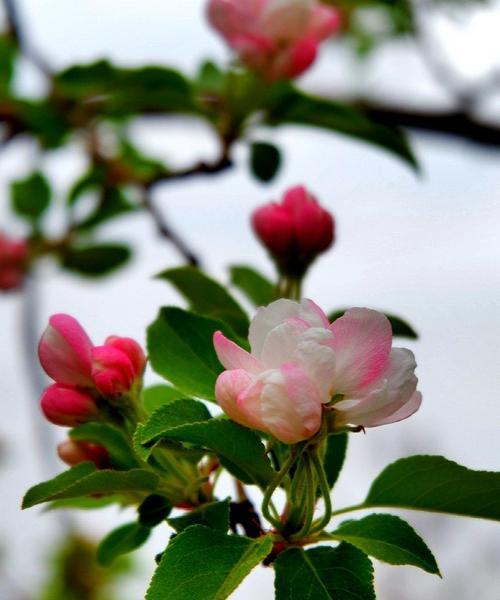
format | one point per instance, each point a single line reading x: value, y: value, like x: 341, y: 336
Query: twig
x: 166, y: 231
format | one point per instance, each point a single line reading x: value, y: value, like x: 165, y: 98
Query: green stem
x: 325, y: 493
x: 275, y: 483
x: 310, y: 499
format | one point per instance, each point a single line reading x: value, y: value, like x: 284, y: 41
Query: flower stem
x: 325, y: 493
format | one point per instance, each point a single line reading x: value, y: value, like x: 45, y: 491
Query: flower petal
x: 281, y: 343
x: 232, y: 356
x: 361, y: 341
x: 290, y: 404
x: 231, y: 387
x: 65, y: 351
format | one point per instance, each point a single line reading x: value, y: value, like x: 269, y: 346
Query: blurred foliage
x: 75, y: 574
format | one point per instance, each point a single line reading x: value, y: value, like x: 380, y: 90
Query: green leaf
x: 170, y: 416
x: 336, y: 448
x: 239, y: 449
x: 323, y: 573
x: 435, y: 484
x: 31, y: 196
x: 207, y: 297
x: 204, y: 564
x: 288, y: 105
x: 265, y: 161
x: 154, y: 510
x: 255, y: 286
x: 157, y: 395
x: 97, y: 260
x: 389, y: 539
x: 112, y: 439
x: 400, y: 328
x: 112, y: 203
x: 210, y: 78
x: 85, y: 479
x: 91, y: 180
x: 45, y: 121
x: 180, y: 348
x: 85, y: 503
x: 214, y: 515
x: 121, y: 540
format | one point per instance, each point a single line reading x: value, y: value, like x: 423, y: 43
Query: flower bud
x: 276, y: 38
x: 65, y: 352
x: 13, y: 261
x: 74, y: 452
x: 132, y: 349
x: 113, y: 371
x: 295, y: 231
x: 67, y: 406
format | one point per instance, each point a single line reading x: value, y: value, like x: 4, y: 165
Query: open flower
x: 301, y: 365
x: 277, y: 38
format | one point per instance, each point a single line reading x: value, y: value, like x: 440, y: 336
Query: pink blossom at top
x: 277, y: 38
x: 13, y: 260
x: 294, y: 231
x: 300, y: 365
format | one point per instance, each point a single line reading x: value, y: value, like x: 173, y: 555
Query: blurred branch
x: 166, y: 231
x: 457, y: 124
x: 17, y: 31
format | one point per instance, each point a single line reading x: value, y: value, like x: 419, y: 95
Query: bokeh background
x: 426, y: 248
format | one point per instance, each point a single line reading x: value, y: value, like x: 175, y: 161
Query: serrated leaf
x: 217, y: 564
x: 121, y: 540
x: 400, y: 327
x: 180, y: 348
x: 31, y: 196
x: 336, y: 448
x: 389, y: 539
x: 85, y: 479
x: 239, y: 449
x: 255, y: 286
x: 323, y: 573
x: 435, y: 484
x: 157, y: 395
x: 207, y: 297
x: 286, y: 104
x: 265, y: 161
x: 214, y: 515
x: 170, y: 416
x: 97, y: 260
x: 112, y: 439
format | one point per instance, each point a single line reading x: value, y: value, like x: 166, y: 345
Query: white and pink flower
x: 301, y: 365
x: 277, y: 38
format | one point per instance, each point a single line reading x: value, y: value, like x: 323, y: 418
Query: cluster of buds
x: 278, y: 39
x: 294, y: 231
x: 13, y: 262
x: 86, y: 376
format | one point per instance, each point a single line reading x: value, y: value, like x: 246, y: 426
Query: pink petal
x: 290, y: 405
x: 281, y: 343
x: 324, y: 22
x: 112, y: 370
x: 407, y: 410
x: 232, y: 356
x: 231, y: 386
x: 361, y: 341
x: 132, y: 349
x: 231, y: 17
x: 67, y: 406
x: 284, y: 19
x: 65, y: 351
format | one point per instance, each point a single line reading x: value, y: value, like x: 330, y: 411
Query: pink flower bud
x: 74, y: 452
x: 67, y: 406
x: 13, y: 262
x: 113, y: 371
x: 295, y: 231
x: 65, y: 352
x: 300, y: 366
x: 132, y: 349
x: 276, y: 38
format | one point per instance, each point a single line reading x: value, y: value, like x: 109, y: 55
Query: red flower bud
x: 13, y: 261
x: 295, y: 231
x: 73, y: 453
x: 67, y: 406
x: 132, y: 349
x: 112, y: 370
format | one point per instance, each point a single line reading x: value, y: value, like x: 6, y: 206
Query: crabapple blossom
x: 277, y: 38
x: 294, y: 231
x: 68, y: 406
x: 116, y: 365
x: 74, y: 452
x: 301, y: 366
x: 13, y: 259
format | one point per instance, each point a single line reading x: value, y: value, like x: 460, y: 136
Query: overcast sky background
x: 426, y: 248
